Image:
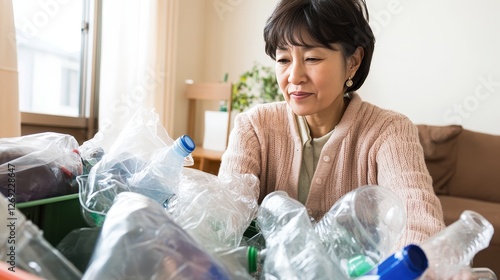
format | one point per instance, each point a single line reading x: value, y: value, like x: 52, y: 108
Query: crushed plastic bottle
x: 360, y: 229
x: 293, y: 249
x: 160, y: 178
x: 139, y: 240
x: 113, y: 174
x: 406, y: 264
x: 453, y: 248
x: 242, y: 262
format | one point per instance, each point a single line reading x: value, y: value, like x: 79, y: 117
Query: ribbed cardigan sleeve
x: 264, y: 142
x: 401, y: 168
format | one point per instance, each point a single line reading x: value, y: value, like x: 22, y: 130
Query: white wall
x: 220, y: 36
x: 216, y: 37
x: 235, y: 37
x: 438, y: 62
x: 190, y: 56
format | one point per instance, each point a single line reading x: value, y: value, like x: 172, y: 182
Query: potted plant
x: 255, y: 86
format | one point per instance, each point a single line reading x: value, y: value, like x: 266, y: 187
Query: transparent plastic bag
x: 140, y: 240
x: 130, y: 164
x: 142, y: 136
x: 39, y: 166
x: 78, y: 246
x: 253, y: 236
x: 94, y: 149
x: 216, y: 211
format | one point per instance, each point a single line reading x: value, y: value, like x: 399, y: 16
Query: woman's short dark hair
x: 326, y: 21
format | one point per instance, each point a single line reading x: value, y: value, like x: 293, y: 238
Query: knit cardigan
x: 369, y: 146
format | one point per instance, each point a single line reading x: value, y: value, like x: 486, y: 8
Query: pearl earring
x: 349, y: 82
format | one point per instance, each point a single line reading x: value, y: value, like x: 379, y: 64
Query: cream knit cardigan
x: 370, y: 146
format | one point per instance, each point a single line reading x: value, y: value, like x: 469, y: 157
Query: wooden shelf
x: 200, y: 152
x: 207, y: 160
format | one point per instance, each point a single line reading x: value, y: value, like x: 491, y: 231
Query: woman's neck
x: 323, y: 122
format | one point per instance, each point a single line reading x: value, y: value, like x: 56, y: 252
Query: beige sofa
x: 465, y: 168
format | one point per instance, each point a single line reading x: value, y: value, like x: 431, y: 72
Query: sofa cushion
x: 477, y: 172
x: 454, y: 206
x: 462, y: 162
x: 440, y: 152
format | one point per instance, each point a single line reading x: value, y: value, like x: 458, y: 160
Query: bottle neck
x: 253, y: 259
x: 183, y: 145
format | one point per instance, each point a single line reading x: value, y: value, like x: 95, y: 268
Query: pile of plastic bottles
x: 140, y: 239
x: 152, y: 218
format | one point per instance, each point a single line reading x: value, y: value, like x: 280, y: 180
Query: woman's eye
x: 282, y: 60
x: 312, y: 59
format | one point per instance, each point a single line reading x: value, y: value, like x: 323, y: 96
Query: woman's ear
x: 355, y: 60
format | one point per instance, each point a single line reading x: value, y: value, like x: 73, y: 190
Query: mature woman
x: 324, y: 140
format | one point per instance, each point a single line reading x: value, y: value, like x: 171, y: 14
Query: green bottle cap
x: 98, y: 219
x: 252, y: 259
x: 359, y: 266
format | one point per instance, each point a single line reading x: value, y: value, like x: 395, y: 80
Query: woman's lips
x: 299, y: 95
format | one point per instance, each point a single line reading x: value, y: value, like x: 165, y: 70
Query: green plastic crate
x: 55, y: 216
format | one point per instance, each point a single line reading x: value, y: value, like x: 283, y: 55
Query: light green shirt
x: 310, y: 155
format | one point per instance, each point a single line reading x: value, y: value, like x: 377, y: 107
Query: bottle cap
x: 186, y: 144
x: 252, y: 259
x: 359, y: 265
x: 408, y: 263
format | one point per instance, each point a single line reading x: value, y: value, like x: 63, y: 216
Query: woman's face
x: 312, y: 79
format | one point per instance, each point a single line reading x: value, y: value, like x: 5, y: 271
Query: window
x: 57, y: 54
x: 48, y: 37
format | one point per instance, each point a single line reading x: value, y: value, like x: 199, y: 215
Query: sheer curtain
x: 134, y: 60
x: 10, y: 117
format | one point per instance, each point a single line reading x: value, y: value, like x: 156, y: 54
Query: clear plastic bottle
x: 182, y: 146
x: 140, y: 240
x: 24, y: 246
x: 453, y: 248
x: 242, y: 262
x: 293, y: 249
x: 161, y: 176
x: 406, y: 264
x: 157, y: 179
x: 361, y: 228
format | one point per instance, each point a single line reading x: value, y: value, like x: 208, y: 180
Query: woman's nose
x: 296, y: 73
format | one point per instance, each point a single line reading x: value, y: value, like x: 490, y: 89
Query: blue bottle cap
x: 409, y: 263
x: 186, y: 144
